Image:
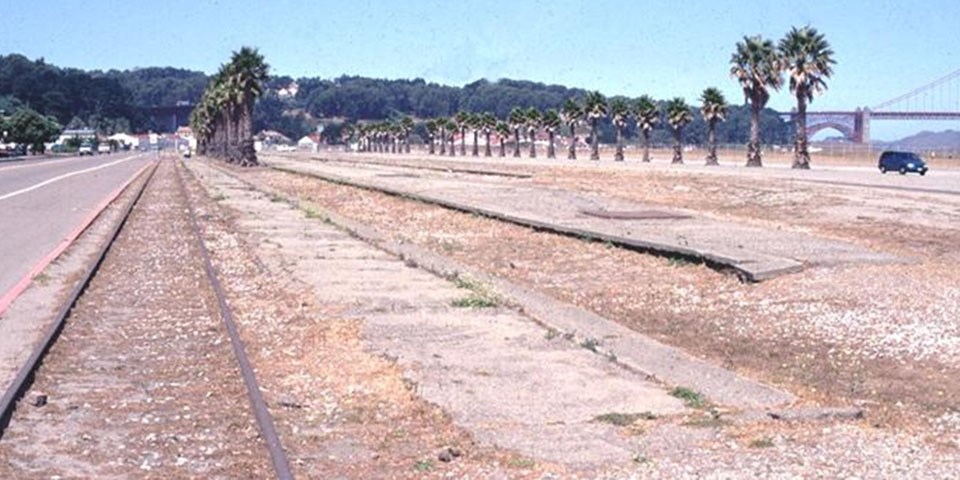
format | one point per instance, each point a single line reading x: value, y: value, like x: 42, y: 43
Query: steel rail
x: 22, y: 380
x: 281, y: 464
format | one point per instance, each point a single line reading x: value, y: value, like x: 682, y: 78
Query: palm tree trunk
x: 453, y: 143
x: 646, y: 146
x: 503, y: 146
x: 594, y: 144
x: 572, y: 151
x: 753, y: 149
x: 433, y: 149
x: 248, y: 153
x: 516, y: 142
x: 533, y: 143
x: 486, y: 150
x: 476, y: 144
x: 406, y: 143
x: 463, y: 142
x: 551, y: 151
x: 712, y: 141
x: 801, y: 157
x: 677, y: 145
x: 619, y: 155
x: 443, y: 142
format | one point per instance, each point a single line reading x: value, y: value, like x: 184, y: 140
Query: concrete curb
x: 749, y: 271
x: 626, y: 347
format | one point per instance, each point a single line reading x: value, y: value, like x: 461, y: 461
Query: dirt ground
x: 829, y: 334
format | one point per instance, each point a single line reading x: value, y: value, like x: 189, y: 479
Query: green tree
x: 648, y: 116
x: 620, y: 113
x: 595, y: 108
x: 28, y: 128
x: 551, y: 124
x: 757, y: 66
x: 534, y: 118
x: 809, y: 62
x: 678, y: 116
x: 714, y: 109
x: 572, y: 114
x: 517, y: 120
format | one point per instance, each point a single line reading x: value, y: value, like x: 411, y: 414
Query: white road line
x: 61, y: 177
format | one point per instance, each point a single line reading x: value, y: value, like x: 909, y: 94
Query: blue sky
x: 661, y: 48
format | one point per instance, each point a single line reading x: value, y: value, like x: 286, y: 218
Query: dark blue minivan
x: 902, y: 162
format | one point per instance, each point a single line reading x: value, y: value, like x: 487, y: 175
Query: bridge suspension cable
x: 926, y: 94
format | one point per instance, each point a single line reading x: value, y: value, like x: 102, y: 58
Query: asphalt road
x: 42, y: 201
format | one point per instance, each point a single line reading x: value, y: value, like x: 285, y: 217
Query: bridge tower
x: 861, y: 126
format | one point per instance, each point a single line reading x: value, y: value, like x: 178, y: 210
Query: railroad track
x: 138, y: 359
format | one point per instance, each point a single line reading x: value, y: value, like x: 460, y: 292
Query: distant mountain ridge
x: 926, y: 140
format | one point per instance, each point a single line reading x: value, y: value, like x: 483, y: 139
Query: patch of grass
x: 678, y: 261
x: 551, y: 333
x: 310, y: 212
x: 41, y: 278
x: 474, y: 301
x: 763, y: 442
x: 423, y: 466
x: 693, y: 399
x: 623, y: 419
x: 641, y: 458
x: 219, y: 197
x: 590, y: 344
x: 276, y: 198
x: 523, y: 463
x: 706, y: 422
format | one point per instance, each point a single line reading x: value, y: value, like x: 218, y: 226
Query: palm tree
x: 533, y: 127
x: 442, y: 130
x: 487, y: 123
x: 620, y: 113
x: 347, y: 132
x: 452, y: 129
x: 503, y: 131
x: 713, y: 109
x: 595, y: 108
x: 462, y: 121
x: 431, y: 127
x: 648, y: 116
x: 517, y: 119
x: 406, y: 127
x: 757, y: 67
x: 551, y: 123
x: 678, y: 116
x: 807, y: 58
x: 572, y: 115
x: 474, y: 123
x: 248, y: 72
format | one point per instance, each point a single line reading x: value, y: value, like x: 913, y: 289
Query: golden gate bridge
x: 937, y: 100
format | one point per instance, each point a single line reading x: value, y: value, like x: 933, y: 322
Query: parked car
x: 902, y: 162
x: 103, y: 148
x: 86, y: 148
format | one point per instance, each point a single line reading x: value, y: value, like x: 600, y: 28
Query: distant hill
x: 948, y: 139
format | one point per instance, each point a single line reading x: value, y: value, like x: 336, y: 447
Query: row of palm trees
x: 223, y: 119
x: 393, y: 137
x: 758, y: 65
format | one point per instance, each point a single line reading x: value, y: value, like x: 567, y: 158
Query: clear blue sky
x: 663, y: 48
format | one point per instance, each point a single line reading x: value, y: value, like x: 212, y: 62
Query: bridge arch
x: 845, y: 130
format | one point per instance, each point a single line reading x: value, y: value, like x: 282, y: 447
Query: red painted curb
x: 8, y: 298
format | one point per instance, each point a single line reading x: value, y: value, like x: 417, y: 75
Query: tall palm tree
x: 533, y: 127
x: 620, y: 113
x: 452, y: 129
x: 503, y: 132
x: 406, y: 127
x: 488, y: 123
x: 572, y: 114
x: 462, y: 122
x: 431, y: 127
x: 648, y: 116
x: 475, y: 126
x: 248, y: 72
x: 808, y: 60
x: 757, y: 66
x: 551, y: 123
x: 714, y: 109
x: 442, y: 131
x: 595, y: 108
x: 517, y: 120
x: 678, y: 116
